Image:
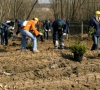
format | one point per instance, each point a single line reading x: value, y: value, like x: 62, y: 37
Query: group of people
x: 59, y: 28
x: 24, y: 30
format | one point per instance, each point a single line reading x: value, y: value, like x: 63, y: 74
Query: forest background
x: 78, y: 12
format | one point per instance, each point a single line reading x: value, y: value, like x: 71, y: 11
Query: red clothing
x: 31, y: 26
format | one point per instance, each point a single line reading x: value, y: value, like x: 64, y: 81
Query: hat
x: 97, y: 12
x: 59, y: 25
x: 36, y: 19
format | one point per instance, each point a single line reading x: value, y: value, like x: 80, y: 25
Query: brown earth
x: 48, y: 70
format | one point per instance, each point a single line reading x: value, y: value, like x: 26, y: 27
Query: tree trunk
x: 31, y: 9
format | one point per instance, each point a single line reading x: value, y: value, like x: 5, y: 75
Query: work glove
x: 11, y: 28
x: 41, y: 34
x: 64, y: 34
x: 46, y: 30
x: 49, y: 30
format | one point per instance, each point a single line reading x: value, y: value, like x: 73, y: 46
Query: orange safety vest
x: 31, y: 26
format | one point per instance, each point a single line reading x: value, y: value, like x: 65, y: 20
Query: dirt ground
x: 48, y: 70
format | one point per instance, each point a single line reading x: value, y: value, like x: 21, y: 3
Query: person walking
x: 7, y: 25
x: 95, y: 24
x: 25, y: 32
x: 59, y: 30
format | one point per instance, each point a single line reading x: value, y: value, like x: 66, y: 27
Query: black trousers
x: 58, y: 36
x: 4, y: 37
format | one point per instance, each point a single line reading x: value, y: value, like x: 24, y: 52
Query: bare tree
x: 2, y: 13
x: 73, y: 9
x: 32, y: 9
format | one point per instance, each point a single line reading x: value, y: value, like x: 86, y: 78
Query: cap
x: 36, y: 19
x: 59, y: 25
x: 97, y: 12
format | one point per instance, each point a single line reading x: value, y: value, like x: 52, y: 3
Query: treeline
x: 11, y: 9
x: 73, y: 10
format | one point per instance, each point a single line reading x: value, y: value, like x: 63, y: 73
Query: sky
x: 43, y: 1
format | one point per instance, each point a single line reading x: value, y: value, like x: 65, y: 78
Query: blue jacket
x: 55, y: 25
x: 94, y: 23
x: 20, y: 22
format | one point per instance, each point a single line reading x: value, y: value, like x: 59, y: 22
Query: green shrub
x: 29, y: 46
x: 78, y: 48
x: 91, y: 31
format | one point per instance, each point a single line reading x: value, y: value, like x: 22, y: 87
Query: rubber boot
x: 56, y: 44
x: 94, y: 47
x: 61, y: 45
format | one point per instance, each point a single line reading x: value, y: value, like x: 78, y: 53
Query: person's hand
x: 10, y: 28
x: 64, y: 34
x: 49, y: 30
x: 46, y: 30
x: 40, y: 33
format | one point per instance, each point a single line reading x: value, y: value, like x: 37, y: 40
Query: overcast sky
x: 43, y: 1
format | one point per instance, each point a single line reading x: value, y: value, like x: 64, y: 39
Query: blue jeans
x: 95, y: 42
x: 29, y: 34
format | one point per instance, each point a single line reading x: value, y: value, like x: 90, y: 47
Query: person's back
x: 19, y: 26
x: 31, y: 26
x: 20, y: 22
x: 59, y: 24
x: 8, y: 24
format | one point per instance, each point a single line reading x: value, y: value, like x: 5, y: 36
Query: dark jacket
x: 46, y: 24
x: 6, y: 25
x: 56, y: 26
x: 94, y: 23
x: 67, y: 26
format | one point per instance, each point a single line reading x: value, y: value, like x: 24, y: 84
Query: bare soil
x: 48, y: 70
